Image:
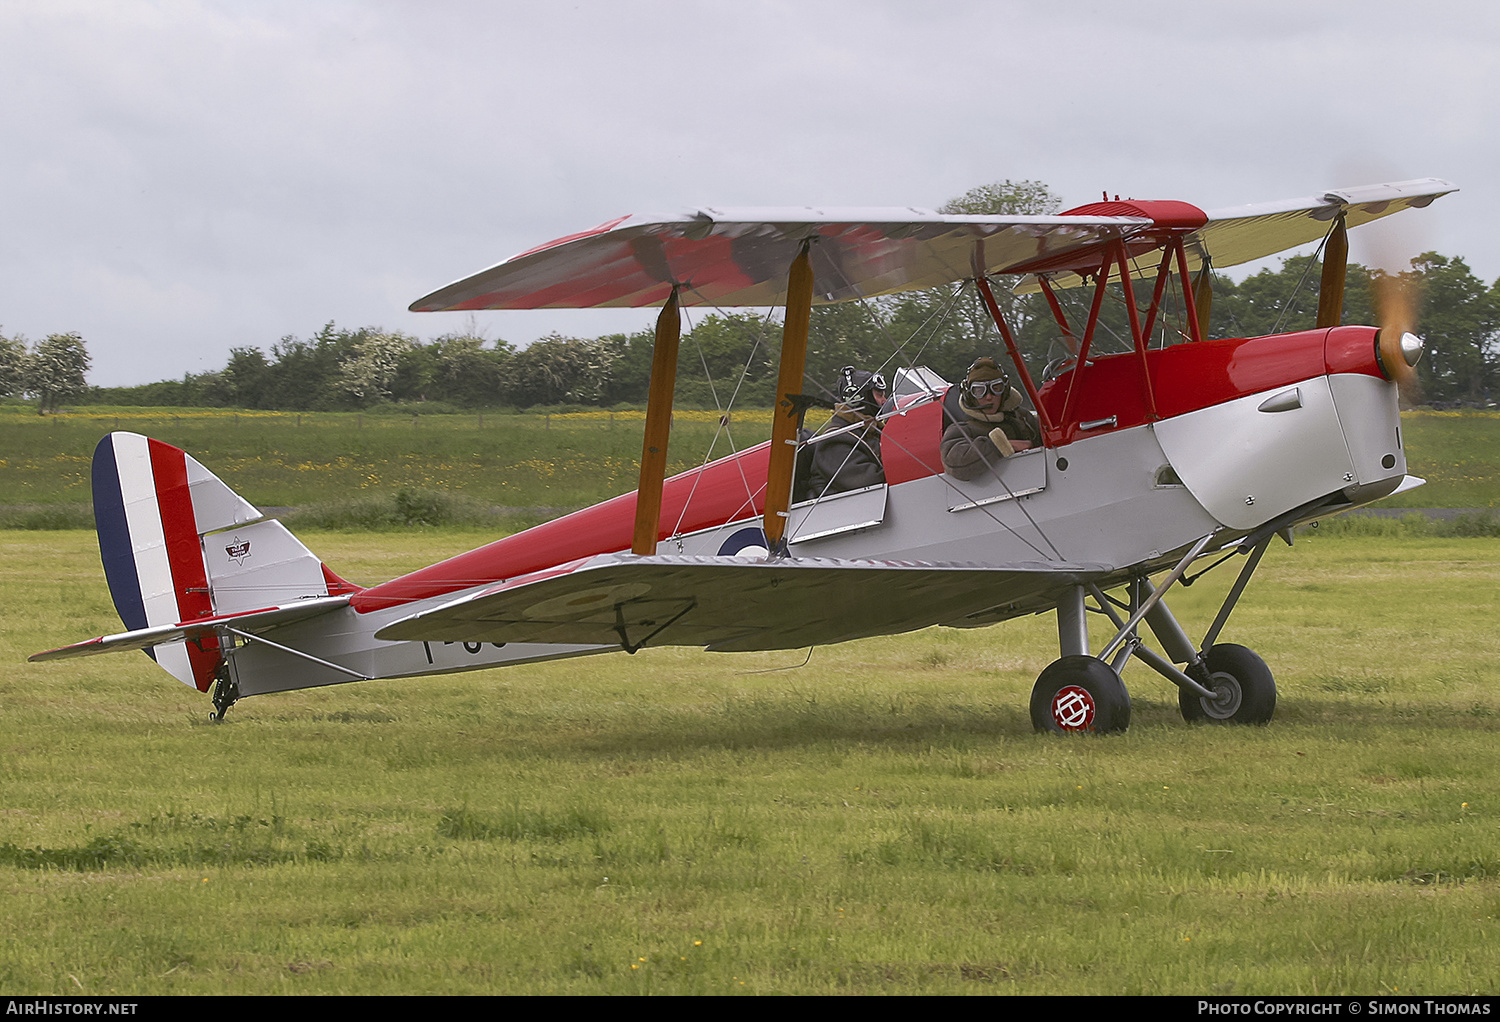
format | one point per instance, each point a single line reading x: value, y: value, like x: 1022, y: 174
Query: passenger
x: 851, y: 459
x: 994, y: 426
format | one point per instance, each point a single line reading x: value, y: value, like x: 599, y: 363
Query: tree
x: 1457, y: 316
x: 458, y: 368
x: 372, y: 361
x: 555, y: 369
x: 12, y: 352
x: 304, y: 375
x: 949, y: 327
x: 246, y: 379
x: 735, y: 350
x: 54, y: 369
x: 1004, y: 198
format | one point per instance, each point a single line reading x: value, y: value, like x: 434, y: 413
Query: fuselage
x: 1214, y: 436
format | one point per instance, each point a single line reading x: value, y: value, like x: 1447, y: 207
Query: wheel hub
x: 1227, y: 696
x: 1073, y: 708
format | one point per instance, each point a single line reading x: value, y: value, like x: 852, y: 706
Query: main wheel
x: 1244, y: 690
x: 1079, y: 693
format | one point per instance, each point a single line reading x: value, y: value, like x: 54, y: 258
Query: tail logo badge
x: 238, y: 550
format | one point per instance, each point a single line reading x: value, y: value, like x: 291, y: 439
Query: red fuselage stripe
x: 1184, y: 378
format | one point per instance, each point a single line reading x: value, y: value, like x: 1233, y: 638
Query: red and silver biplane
x: 1151, y: 458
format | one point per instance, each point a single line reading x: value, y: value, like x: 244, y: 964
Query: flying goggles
x: 979, y: 388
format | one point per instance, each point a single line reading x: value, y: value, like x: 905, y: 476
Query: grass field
x: 882, y: 820
x: 287, y: 459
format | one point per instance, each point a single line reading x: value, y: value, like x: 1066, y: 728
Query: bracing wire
x: 1292, y: 301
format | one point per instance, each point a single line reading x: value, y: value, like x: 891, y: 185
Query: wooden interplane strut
x: 783, y: 459
x: 1335, y: 262
x: 658, y: 427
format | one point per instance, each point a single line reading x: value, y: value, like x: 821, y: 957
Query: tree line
x: 726, y: 355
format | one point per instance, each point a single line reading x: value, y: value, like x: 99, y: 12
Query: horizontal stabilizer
x: 731, y: 605
x: 192, y: 631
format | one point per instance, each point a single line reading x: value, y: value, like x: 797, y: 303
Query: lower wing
x: 728, y: 605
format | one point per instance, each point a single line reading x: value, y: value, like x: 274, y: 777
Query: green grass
x: 346, y: 469
x: 287, y: 459
x: 1458, y: 453
x: 882, y: 820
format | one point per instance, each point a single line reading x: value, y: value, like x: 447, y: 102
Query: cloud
x: 184, y: 177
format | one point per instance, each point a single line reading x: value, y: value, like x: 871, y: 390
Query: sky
x: 184, y: 177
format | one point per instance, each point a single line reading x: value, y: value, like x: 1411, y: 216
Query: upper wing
x: 730, y: 605
x: 1239, y: 234
x: 739, y: 257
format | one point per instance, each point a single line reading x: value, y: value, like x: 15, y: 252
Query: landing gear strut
x: 1223, y: 683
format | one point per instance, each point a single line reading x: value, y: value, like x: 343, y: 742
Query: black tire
x: 1079, y: 693
x: 1246, y: 690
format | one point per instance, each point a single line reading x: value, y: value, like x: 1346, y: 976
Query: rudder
x: 160, y: 516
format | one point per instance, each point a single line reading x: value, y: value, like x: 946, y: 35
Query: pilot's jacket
x: 969, y: 448
x: 848, y: 461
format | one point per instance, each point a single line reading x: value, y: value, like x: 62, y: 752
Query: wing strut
x: 1335, y: 264
x: 799, y: 290
x: 658, y: 426
x: 982, y: 282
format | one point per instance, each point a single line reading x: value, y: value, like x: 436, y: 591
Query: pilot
x: 994, y: 425
x: 849, y: 460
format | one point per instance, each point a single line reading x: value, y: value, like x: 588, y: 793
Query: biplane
x: 1177, y: 448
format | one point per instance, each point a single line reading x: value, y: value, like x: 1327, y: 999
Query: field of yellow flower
x: 290, y: 459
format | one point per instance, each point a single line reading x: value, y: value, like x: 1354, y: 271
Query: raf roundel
x: 1073, y: 709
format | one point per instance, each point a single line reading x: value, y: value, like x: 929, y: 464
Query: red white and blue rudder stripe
x: 152, y: 502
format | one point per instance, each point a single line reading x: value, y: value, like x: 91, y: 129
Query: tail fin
x: 179, y: 545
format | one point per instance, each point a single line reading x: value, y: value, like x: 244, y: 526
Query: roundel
x: 1073, y: 708
x: 745, y: 543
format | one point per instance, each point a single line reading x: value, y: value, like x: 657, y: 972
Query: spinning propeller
x: 1397, y: 348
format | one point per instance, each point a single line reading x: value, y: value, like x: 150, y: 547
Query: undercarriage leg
x: 1072, y: 624
x: 1172, y: 636
x: 1235, y: 590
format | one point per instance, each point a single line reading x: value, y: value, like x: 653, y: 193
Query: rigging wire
x: 1291, y: 302
x: 936, y: 319
x: 724, y: 415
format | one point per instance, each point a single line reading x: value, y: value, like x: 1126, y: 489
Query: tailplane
x: 179, y: 545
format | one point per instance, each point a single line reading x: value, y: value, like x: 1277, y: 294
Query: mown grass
x: 882, y: 820
x: 289, y: 459
x: 346, y: 469
x: 1458, y: 453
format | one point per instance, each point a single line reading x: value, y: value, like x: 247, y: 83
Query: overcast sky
x: 182, y: 177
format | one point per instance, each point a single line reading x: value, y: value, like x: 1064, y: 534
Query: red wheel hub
x: 1073, y: 708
